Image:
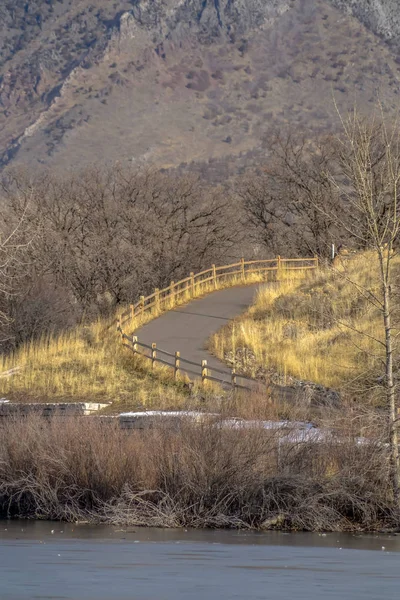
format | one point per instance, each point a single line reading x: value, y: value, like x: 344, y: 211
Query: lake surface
x: 79, y: 562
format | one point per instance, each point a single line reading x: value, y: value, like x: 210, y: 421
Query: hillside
x: 381, y: 16
x: 322, y: 330
x: 175, y: 81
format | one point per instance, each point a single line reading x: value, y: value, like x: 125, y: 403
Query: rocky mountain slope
x: 381, y: 16
x: 175, y: 81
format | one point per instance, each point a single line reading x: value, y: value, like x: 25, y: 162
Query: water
x: 80, y: 562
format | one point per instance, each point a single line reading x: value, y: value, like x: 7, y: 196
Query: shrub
x: 197, y: 475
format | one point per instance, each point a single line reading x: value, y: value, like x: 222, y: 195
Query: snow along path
x: 187, y: 328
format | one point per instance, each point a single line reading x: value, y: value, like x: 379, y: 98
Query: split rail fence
x: 193, y: 286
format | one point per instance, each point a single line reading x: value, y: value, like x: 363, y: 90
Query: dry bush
x: 202, y: 475
x: 108, y: 234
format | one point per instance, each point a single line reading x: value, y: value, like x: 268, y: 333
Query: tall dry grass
x: 318, y: 330
x: 203, y: 475
x: 87, y: 364
x: 90, y: 364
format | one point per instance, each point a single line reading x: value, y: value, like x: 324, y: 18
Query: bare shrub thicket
x: 292, y: 205
x: 196, y: 475
x: 103, y: 236
x: 14, y: 245
x: 285, y: 202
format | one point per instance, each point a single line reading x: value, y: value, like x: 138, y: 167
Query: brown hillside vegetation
x: 172, y: 83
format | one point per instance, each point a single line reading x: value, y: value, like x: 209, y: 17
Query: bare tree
x: 107, y: 235
x: 343, y: 188
x: 369, y: 159
x: 5, y: 287
x: 13, y: 246
x: 285, y: 203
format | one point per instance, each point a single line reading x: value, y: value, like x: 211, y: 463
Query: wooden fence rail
x: 196, y: 284
x: 190, y: 287
x: 183, y: 366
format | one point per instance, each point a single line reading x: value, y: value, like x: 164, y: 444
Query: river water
x: 41, y: 560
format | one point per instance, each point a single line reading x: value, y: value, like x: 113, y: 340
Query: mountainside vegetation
x: 172, y: 82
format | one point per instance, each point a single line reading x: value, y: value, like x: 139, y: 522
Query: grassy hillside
x: 90, y: 364
x: 85, y: 365
x: 320, y: 330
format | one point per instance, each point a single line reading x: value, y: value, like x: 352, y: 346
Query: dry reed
x: 203, y: 475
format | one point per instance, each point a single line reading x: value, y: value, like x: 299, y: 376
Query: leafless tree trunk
x: 285, y: 202
x: 390, y: 386
x: 12, y: 247
x: 369, y: 159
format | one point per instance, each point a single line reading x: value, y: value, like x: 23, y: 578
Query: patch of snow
x: 271, y: 425
x: 307, y: 436
x: 189, y: 414
x: 91, y: 407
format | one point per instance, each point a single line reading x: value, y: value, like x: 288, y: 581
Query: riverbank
x: 198, y: 475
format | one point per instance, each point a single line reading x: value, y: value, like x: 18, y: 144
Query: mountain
x: 381, y: 16
x: 175, y: 81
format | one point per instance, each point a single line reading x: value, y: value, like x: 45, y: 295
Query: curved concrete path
x: 187, y: 328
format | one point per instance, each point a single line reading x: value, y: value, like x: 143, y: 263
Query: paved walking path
x: 187, y: 328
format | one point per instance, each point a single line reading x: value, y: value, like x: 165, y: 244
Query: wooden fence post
x: 177, y: 364
x: 242, y: 269
x: 204, y: 371
x: 192, y: 284
x: 141, y: 303
x: 214, y: 272
x: 119, y: 329
x: 278, y: 267
x: 157, y: 299
x: 135, y: 344
x: 153, y: 354
x: 233, y: 378
x: 132, y: 307
x: 316, y: 261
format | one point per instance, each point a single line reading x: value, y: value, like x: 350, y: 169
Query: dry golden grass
x: 315, y: 329
x: 90, y: 364
x: 85, y: 365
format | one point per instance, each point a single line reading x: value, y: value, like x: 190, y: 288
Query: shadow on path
x: 188, y: 328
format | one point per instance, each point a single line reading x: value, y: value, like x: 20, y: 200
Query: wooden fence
x: 183, y: 366
x: 195, y: 285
